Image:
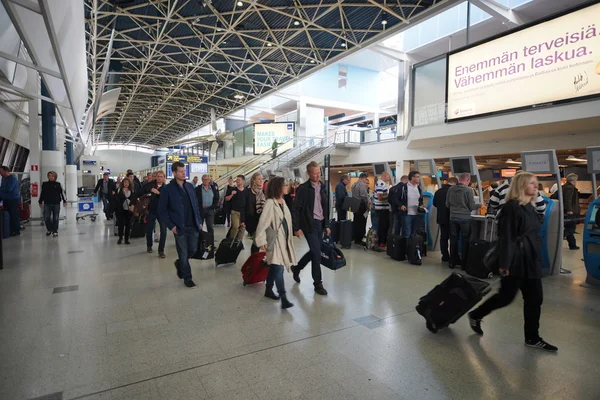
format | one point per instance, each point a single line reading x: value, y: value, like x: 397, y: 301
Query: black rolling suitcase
x: 396, y: 247
x: 450, y: 300
x: 477, y: 251
x: 206, y: 246
x: 219, y: 216
x: 346, y: 234
x: 138, y: 228
x: 335, y: 230
x: 228, y: 251
x: 414, y: 248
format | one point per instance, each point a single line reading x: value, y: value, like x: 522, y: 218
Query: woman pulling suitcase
x: 274, y: 235
x: 125, y: 200
x: 519, y: 251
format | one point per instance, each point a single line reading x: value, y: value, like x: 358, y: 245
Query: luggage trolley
x: 85, y: 208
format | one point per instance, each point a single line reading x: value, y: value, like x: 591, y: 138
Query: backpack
x: 393, y: 197
x: 371, y: 241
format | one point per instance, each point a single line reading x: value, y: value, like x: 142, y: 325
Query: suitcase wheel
x: 431, y: 328
x: 490, y: 275
x: 244, y: 283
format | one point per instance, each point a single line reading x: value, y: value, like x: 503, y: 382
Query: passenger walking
x: 238, y: 207
x: 125, y: 200
x: 310, y: 217
x: 460, y: 201
x: 255, y: 201
x: 178, y: 209
x: 382, y: 207
x: 341, y: 192
x: 360, y: 191
x: 227, y: 203
x: 136, y: 184
x: 411, y: 199
x: 443, y: 217
x: 106, y: 188
x: 154, y: 188
x: 519, y: 251
x: 10, y: 195
x: 281, y: 252
x: 208, y: 202
x: 50, y: 199
x: 571, y: 209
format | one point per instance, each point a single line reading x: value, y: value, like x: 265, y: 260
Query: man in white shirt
x: 411, y: 199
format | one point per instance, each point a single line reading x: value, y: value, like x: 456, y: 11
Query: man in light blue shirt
x: 208, y: 201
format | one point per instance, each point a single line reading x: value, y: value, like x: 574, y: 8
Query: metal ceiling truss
x: 180, y: 58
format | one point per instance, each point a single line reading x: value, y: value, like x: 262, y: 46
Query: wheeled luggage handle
x: 488, y: 217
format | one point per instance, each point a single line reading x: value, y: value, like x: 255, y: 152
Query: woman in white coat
x: 281, y: 253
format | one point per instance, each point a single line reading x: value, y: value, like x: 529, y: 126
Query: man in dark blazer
x: 341, y: 192
x: 310, y: 218
x: 106, y: 188
x: 178, y: 209
x: 443, y: 217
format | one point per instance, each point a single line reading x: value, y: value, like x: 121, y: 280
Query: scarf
x: 260, y: 198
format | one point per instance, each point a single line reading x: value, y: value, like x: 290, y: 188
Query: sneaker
x: 119, y: 241
x: 149, y: 250
x: 189, y: 284
x: 48, y: 233
x: 55, y: 234
x: 541, y: 344
x: 179, y: 274
x: 320, y: 290
x: 127, y: 241
x: 296, y: 273
x: 475, y: 324
x: 574, y: 248
x: 285, y: 303
x: 161, y: 254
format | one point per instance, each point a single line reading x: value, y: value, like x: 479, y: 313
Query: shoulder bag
x: 272, y: 235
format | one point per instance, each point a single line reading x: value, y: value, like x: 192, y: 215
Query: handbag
x: 331, y: 256
x: 492, y: 258
x: 272, y: 236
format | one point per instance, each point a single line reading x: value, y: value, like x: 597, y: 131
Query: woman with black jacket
x: 125, y: 200
x: 519, y: 250
x: 255, y: 200
x: 50, y: 199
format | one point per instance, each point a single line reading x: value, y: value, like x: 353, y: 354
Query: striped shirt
x: 381, y: 188
x: 498, y: 198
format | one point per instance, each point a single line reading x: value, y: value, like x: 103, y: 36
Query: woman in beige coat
x: 276, y: 215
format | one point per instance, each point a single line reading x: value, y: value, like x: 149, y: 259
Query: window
x: 249, y: 139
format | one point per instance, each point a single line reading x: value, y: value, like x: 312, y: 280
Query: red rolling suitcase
x: 255, y: 269
x: 24, y: 212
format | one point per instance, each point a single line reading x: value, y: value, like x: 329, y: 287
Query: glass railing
x: 373, y: 135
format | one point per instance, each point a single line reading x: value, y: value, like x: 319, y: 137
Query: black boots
x: 285, y: 303
x: 270, y: 294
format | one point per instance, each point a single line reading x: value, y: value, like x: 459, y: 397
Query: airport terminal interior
x: 191, y: 95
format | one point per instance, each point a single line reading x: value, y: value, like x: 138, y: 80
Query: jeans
x: 152, y: 219
x: 383, y: 226
x: 314, y: 240
x: 409, y: 225
x: 342, y: 214
x: 533, y: 297
x: 444, y: 237
x: 124, y: 223
x: 51, y: 213
x: 209, y: 219
x: 12, y: 207
x: 276, y: 276
x: 459, y: 227
x: 570, y: 227
x: 397, y: 216
x: 106, y: 206
x: 186, y: 243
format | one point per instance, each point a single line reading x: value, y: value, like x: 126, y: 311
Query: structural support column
x: 301, y: 111
x: 70, y: 174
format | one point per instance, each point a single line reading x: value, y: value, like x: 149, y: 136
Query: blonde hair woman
x: 519, y: 250
x: 50, y: 199
x: 277, y: 216
x: 255, y: 201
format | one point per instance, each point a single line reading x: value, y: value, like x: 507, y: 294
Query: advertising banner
x: 548, y: 63
x: 266, y: 134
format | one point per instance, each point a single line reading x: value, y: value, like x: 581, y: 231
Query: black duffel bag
x: 331, y: 256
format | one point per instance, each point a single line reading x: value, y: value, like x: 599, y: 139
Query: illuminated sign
x: 548, y: 63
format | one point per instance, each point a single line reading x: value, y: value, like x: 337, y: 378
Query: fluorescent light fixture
x: 575, y: 159
x: 343, y: 45
x: 312, y: 61
x: 384, y: 22
x: 269, y: 45
x: 296, y: 23
x: 141, y: 149
x: 240, y: 4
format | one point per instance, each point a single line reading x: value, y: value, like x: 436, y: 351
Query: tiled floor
x: 123, y: 326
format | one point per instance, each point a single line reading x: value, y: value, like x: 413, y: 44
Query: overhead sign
x: 197, y: 159
x: 171, y: 158
x: 266, y: 134
x: 548, y: 63
x: 88, y: 162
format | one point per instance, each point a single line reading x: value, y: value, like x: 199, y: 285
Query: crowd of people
x: 273, y: 211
